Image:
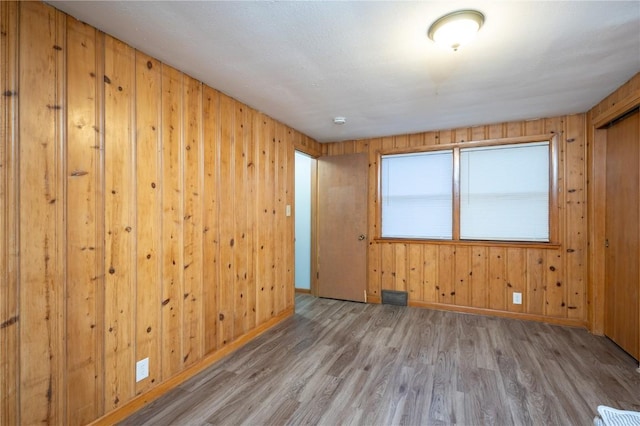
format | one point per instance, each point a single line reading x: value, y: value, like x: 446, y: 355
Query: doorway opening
x: 304, y: 170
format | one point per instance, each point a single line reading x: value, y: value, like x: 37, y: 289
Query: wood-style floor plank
x: 347, y: 363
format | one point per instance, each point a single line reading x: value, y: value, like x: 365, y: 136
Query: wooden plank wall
x: 142, y: 215
x: 616, y: 104
x: 482, y: 278
x: 9, y: 310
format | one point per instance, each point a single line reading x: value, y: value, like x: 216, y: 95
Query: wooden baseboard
x: 140, y: 401
x: 502, y: 314
x: 303, y: 290
x: 373, y: 298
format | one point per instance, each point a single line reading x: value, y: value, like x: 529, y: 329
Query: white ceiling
x: 305, y: 62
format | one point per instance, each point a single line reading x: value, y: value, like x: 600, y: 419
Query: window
x: 474, y: 191
x: 411, y: 208
x: 504, y: 192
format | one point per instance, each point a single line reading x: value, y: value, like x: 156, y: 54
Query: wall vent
x: 392, y: 297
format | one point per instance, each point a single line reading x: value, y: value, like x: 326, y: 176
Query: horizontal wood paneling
x: 151, y: 220
x: 553, y: 281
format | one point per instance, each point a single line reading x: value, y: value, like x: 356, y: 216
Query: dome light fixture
x: 456, y: 28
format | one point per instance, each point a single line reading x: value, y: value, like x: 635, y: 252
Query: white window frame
x: 455, y: 181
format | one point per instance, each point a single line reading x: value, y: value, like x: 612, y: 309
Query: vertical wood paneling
x: 479, y: 277
x: 445, y: 137
x: 555, y: 288
x: 462, y: 276
x: 387, y: 265
x: 149, y: 217
x: 446, y: 273
x: 374, y: 283
x: 536, y: 273
x: 279, y: 275
x: 227, y: 222
x: 415, y: 282
x: 479, y: 133
x: 45, y: 337
x: 59, y: 267
x: 430, y: 138
x: 416, y: 139
x: 555, y: 303
x: 556, y: 294
x: 9, y: 313
x: 240, y: 214
x: 139, y: 219
x: 349, y: 147
x: 361, y: 146
x: 597, y: 228
x: 576, y: 211
x: 516, y: 277
x: 120, y: 224
x: 400, y: 267
x: 288, y: 223
x: 401, y: 141
x: 84, y: 237
x: 430, y: 265
x: 462, y: 135
x: 192, y: 314
x: 556, y: 126
x: 306, y: 144
x: 495, y: 131
x: 534, y: 127
x: 172, y: 180
x: 264, y: 280
x: 41, y: 240
x: 497, y: 278
x: 492, y: 277
x: 270, y: 190
x: 334, y: 149
x: 388, y: 142
x: 249, y: 144
x: 515, y: 129
x: 272, y: 231
x: 210, y: 214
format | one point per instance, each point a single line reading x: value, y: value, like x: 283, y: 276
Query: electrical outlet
x: 142, y: 369
x: 517, y: 298
x: 288, y: 210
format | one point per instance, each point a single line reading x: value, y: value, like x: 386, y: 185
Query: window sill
x: 487, y: 243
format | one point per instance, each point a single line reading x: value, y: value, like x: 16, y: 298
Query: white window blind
x: 504, y: 192
x: 417, y: 195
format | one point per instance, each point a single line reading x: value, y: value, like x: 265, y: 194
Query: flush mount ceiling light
x: 456, y: 28
x: 339, y: 120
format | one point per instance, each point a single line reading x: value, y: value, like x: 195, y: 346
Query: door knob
x: 362, y: 237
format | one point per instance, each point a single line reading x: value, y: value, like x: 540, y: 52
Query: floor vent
x: 392, y: 297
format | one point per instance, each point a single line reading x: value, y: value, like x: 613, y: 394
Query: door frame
x: 313, y: 282
x: 597, y: 173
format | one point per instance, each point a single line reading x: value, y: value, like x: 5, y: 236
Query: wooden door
x: 342, y: 226
x: 622, y: 286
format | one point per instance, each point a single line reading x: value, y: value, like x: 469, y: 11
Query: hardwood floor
x: 340, y: 362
